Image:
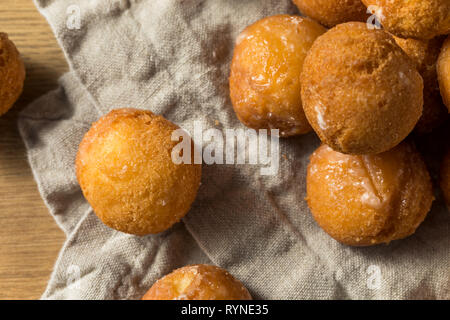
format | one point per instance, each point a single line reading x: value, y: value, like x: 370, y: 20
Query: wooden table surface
x: 29, y: 238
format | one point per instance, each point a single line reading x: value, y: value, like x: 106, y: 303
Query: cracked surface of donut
x: 370, y: 199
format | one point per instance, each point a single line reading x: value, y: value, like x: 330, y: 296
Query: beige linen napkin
x: 172, y: 57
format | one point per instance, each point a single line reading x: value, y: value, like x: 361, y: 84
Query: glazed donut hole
x: 333, y: 12
x: 198, y: 282
x: 424, y: 54
x: 363, y: 200
x: 265, y: 73
x: 126, y: 173
x: 424, y: 19
x: 12, y: 74
x: 443, y: 71
x: 361, y: 93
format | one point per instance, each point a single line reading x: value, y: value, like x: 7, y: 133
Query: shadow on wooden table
x: 29, y: 236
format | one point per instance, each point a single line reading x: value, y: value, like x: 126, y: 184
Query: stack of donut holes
x: 368, y: 86
x: 366, y: 91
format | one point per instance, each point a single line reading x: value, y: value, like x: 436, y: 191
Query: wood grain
x: 29, y: 238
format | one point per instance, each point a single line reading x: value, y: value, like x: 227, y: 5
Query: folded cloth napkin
x: 172, y: 57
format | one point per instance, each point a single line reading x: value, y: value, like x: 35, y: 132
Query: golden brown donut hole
x: 420, y: 19
x: 443, y: 71
x: 265, y: 73
x: 198, y: 282
x: 363, y: 200
x: 360, y: 91
x: 126, y: 172
x: 12, y: 73
x: 424, y: 54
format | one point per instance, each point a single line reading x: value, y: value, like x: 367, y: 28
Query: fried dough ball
x: 443, y: 70
x: 332, y: 12
x: 445, y: 178
x: 12, y: 73
x: 360, y: 91
x: 424, y: 54
x: 265, y: 73
x: 198, y: 282
x: 420, y: 19
x: 370, y: 199
x: 125, y: 170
